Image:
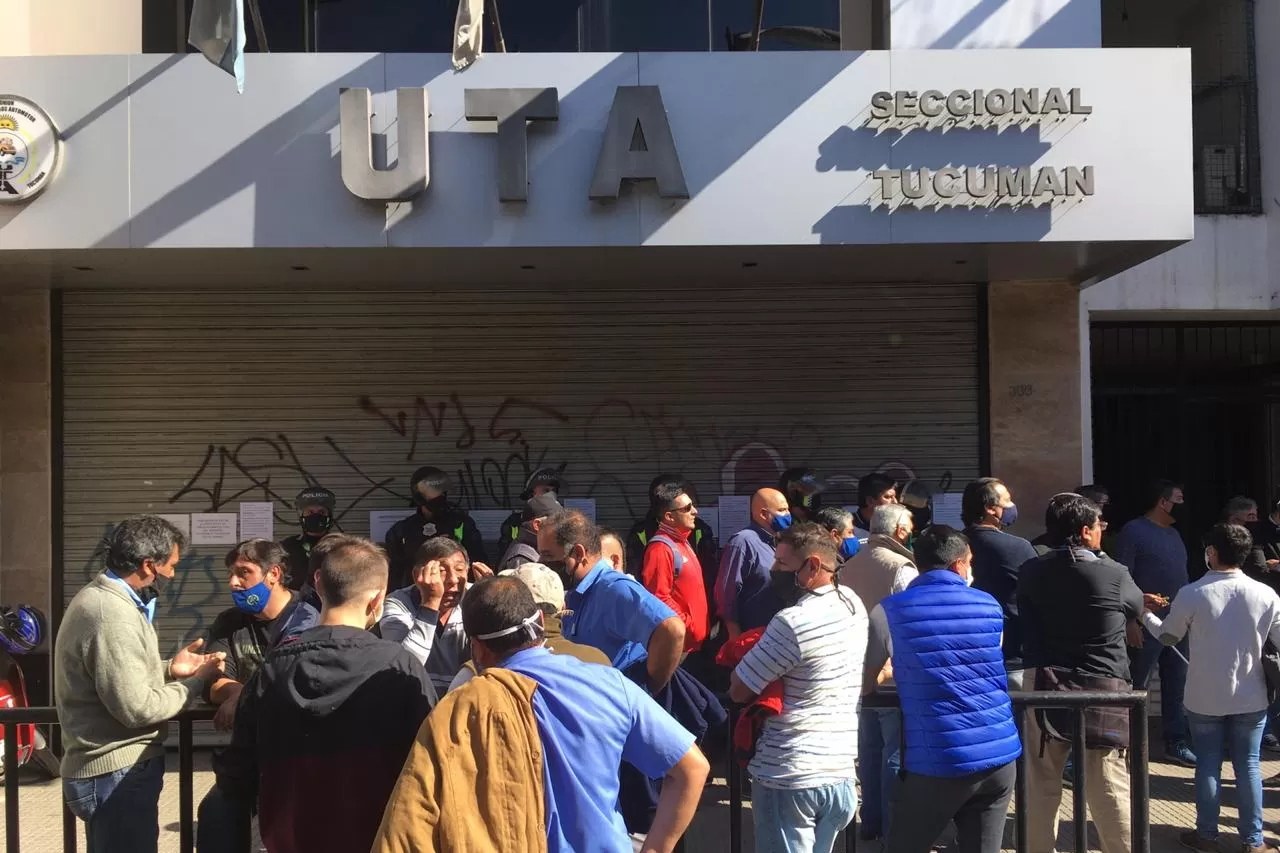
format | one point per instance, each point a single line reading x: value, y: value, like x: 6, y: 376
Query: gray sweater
x: 110, y: 683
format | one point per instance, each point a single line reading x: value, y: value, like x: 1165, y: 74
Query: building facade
x: 669, y: 254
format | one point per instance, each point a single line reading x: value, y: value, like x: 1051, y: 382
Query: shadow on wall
x: 281, y: 176
x: 865, y: 149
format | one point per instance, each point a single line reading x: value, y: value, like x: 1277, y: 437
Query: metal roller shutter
x: 184, y: 401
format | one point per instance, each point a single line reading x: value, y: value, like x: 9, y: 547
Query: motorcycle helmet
x: 22, y: 629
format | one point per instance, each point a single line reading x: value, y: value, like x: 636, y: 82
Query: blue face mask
x: 252, y: 600
x: 780, y: 522
x: 849, y: 547
x: 1010, y: 516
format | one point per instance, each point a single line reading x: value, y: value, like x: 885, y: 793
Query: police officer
x: 804, y: 493
x: 315, y: 515
x: 436, y: 516
x: 539, y: 483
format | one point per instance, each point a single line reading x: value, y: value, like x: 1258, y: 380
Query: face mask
x: 160, y: 584
x: 252, y: 600
x: 1207, y: 564
x: 561, y: 568
x: 911, y: 541
x: 316, y: 525
x: 437, y: 505
x: 785, y: 586
x: 1010, y: 516
x: 849, y: 547
x: 780, y: 522
x: 1179, y: 512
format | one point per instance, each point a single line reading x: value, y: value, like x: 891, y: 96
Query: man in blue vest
x: 959, y: 735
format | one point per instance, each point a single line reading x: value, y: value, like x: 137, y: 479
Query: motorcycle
x: 22, y: 631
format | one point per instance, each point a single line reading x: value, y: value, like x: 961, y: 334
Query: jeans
x: 879, y: 748
x: 1173, y: 683
x: 802, y: 821
x: 1242, y: 735
x: 924, y: 805
x: 224, y: 824
x: 121, y: 810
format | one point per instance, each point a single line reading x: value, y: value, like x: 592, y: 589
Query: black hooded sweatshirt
x: 331, y: 715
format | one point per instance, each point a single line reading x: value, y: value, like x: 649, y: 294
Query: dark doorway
x: 1196, y: 402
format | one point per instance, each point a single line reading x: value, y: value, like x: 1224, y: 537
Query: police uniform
x: 407, y: 535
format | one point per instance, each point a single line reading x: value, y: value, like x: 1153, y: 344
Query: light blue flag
x: 217, y: 31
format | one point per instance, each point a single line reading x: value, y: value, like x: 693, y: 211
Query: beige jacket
x: 881, y: 567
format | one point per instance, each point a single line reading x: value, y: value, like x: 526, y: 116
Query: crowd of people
x: 410, y: 696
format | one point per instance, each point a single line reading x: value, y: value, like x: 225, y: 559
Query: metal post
x: 308, y: 26
x: 1078, y: 801
x: 70, y: 835
x: 12, y: 840
x: 186, y: 788
x: 1139, y: 795
x: 499, y: 42
x: 759, y: 25
x: 1020, y: 791
x: 732, y: 774
x: 180, y: 26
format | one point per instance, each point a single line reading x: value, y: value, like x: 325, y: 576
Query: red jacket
x: 768, y: 704
x: 687, y: 594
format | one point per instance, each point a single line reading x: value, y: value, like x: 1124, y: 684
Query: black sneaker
x: 1270, y: 743
x: 1180, y: 753
x: 1195, y: 841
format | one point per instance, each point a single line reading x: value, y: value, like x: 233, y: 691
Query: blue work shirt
x: 591, y: 719
x: 613, y: 612
x: 743, y: 594
x: 147, y: 607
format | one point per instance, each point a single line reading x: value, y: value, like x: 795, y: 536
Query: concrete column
x: 72, y: 27
x: 1034, y: 351
x: 26, y: 552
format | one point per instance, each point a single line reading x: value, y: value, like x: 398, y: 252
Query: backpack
x: 676, y: 556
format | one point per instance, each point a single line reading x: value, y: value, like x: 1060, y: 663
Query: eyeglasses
x: 683, y: 509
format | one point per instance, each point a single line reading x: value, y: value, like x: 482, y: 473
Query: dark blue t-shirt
x: 1156, y: 556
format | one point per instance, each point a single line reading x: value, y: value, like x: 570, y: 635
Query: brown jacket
x: 881, y: 567
x: 473, y: 780
x: 560, y: 646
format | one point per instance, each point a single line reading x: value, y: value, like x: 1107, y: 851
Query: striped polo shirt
x: 817, y: 648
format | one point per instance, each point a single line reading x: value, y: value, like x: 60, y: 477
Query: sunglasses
x: 683, y: 509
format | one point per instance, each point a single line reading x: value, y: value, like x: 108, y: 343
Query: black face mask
x: 561, y: 568
x: 436, y: 506
x: 785, y: 586
x: 317, y: 524
x: 1179, y: 512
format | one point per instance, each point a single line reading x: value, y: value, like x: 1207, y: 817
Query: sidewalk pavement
x: 1172, y: 811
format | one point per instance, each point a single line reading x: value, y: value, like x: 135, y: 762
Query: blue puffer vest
x: 947, y: 662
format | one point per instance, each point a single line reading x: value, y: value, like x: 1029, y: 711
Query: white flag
x: 468, y: 33
x: 217, y: 31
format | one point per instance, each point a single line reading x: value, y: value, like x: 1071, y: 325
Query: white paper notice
x: 381, y: 520
x: 711, y: 515
x: 213, y: 528
x: 257, y: 520
x: 182, y: 522
x: 735, y: 514
x: 586, y: 506
x: 946, y: 509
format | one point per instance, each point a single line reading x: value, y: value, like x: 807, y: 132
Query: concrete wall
x: 1232, y: 263
x: 26, y: 554
x: 948, y: 24
x: 70, y: 27
x: 1035, y: 393
x: 776, y: 148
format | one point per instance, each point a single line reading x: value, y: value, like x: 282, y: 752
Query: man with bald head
x: 743, y: 597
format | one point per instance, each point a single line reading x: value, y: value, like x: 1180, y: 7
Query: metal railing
x: 49, y: 717
x: 1139, y: 791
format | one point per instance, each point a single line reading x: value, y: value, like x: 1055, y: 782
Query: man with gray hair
x: 883, y: 566
x: 114, y: 692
